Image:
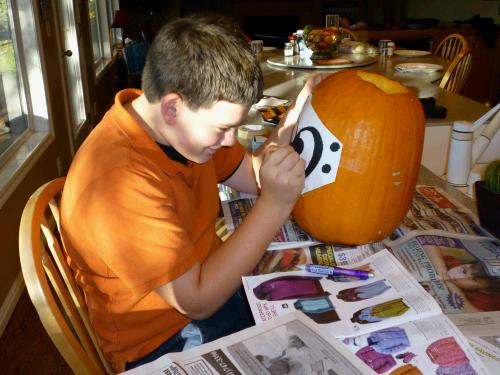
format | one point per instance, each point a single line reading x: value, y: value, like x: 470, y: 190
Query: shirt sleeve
x: 227, y: 160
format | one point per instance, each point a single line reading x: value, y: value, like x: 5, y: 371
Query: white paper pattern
x: 320, y: 149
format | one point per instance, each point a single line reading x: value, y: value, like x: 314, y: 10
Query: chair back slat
x: 77, y: 298
x: 54, y: 209
x: 457, y: 73
x: 451, y: 46
x: 76, y: 325
x: 51, y: 285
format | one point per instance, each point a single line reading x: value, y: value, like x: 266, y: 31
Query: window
x: 23, y: 107
x: 104, y: 37
x: 13, y: 122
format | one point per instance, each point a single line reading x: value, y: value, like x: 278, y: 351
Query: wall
x: 452, y: 10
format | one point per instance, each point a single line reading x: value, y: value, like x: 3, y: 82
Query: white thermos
x: 460, y: 156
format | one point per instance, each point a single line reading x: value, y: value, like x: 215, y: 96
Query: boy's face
x: 202, y: 132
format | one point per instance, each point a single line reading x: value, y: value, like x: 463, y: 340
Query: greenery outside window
x: 24, y: 126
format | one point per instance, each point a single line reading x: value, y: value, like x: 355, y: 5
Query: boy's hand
x: 281, y: 175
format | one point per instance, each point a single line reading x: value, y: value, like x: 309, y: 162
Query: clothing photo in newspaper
x: 461, y: 272
x: 426, y: 346
x: 343, y: 305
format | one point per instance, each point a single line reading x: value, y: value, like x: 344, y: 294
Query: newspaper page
x: 290, y: 234
x: 479, y: 329
x: 343, y: 306
x: 426, y: 346
x: 462, y: 272
x: 477, y: 324
x: 488, y: 350
x: 289, y: 259
x: 288, y: 345
x: 431, y: 208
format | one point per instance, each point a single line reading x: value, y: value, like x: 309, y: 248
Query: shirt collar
x: 140, y: 139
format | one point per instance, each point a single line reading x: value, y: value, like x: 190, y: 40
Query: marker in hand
x: 332, y: 270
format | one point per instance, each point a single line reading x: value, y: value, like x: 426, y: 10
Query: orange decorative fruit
x: 381, y: 126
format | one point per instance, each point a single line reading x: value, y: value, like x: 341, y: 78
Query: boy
x: 141, y: 197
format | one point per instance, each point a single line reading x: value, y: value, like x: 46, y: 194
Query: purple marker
x: 332, y: 270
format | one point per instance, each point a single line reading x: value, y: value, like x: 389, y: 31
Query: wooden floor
x: 25, y: 347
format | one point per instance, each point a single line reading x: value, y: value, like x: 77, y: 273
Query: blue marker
x: 332, y: 270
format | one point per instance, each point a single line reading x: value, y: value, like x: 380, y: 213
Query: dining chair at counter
x: 57, y: 298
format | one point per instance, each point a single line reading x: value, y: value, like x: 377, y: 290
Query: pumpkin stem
x: 385, y: 84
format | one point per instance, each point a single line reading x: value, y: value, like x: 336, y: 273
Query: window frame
x: 23, y: 153
x: 108, y: 38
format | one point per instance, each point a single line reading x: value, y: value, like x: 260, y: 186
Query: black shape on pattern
x: 335, y: 146
x: 298, y: 146
x: 326, y: 168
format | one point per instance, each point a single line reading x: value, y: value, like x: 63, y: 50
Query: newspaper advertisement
x: 426, y: 346
x: 431, y: 208
x: 288, y: 345
x: 290, y: 233
x: 488, y: 349
x: 462, y: 272
x: 342, y: 305
x: 289, y: 259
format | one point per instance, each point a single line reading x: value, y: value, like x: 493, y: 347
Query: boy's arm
x: 205, y: 287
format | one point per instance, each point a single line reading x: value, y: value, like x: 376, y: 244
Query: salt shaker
x: 288, y: 50
x: 390, y: 48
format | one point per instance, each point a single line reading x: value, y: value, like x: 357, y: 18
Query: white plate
x: 268, y: 49
x: 270, y: 101
x: 411, y: 53
x: 418, y: 68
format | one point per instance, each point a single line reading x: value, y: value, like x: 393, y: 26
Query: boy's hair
x: 204, y: 58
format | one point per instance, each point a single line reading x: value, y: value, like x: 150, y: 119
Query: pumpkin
x: 381, y: 126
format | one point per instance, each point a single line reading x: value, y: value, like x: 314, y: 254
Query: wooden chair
x: 451, y: 46
x: 57, y: 298
x: 347, y: 33
x: 457, y: 73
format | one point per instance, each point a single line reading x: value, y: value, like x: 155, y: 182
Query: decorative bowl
x: 323, y: 42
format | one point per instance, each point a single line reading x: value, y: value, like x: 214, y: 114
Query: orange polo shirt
x: 133, y: 220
